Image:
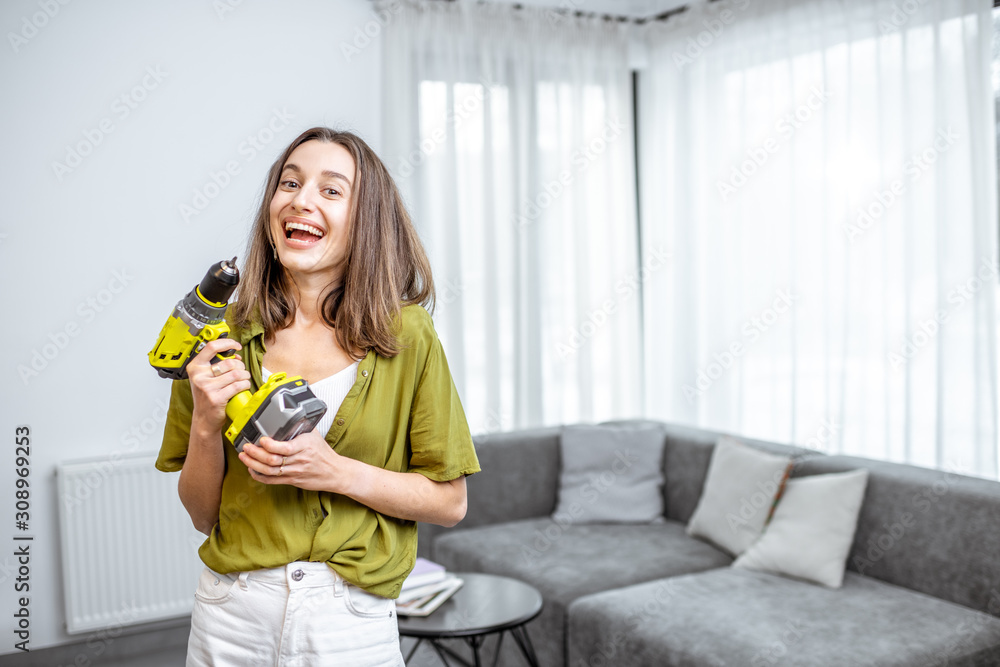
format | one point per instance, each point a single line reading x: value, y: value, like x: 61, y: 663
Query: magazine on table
x: 424, y: 600
x: 426, y: 588
x: 424, y: 572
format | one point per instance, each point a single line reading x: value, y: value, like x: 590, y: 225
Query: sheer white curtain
x: 822, y: 174
x: 510, y: 133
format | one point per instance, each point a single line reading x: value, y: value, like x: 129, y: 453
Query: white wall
x: 168, y: 93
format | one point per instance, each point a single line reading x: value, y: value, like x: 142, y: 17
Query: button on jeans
x: 299, y: 615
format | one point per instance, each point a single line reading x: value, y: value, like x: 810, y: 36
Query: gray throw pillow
x: 611, y: 474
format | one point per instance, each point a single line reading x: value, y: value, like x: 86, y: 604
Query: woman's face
x: 310, y: 210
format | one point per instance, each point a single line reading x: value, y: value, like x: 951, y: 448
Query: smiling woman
x: 309, y: 540
x: 312, y: 203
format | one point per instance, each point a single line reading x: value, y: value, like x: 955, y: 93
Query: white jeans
x: 299, y: 615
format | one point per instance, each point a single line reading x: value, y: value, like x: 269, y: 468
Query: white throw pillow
x: 739, y: 494
x: 812, y: 529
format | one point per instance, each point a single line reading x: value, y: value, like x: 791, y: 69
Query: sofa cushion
x: 519, y: 477
x: 929, y: 530
x: 686, y: 457
x: 754, y: 619
x: 611, y: 474
x: 565, y: 561
x: 740, y: 489
x: 811, y: 532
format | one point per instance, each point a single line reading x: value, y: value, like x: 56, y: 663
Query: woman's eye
x: 332, y: 192
x: 289, y: 184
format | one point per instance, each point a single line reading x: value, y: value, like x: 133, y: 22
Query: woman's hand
x: 306, y: 461
x: 212, y: 385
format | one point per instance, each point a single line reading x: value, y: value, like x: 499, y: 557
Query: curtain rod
x: 607, y: 17
x: 664, y: 16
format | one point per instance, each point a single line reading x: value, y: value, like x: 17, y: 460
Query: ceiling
x: 634, y: 9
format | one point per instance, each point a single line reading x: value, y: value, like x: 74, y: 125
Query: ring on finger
x: 216, y: 371
x: 281, y: 470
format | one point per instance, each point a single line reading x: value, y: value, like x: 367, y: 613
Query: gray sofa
x: 922, y: 585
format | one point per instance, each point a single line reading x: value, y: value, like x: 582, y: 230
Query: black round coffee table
x: 484, y: 605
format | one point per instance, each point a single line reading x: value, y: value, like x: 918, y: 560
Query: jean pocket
x: 365, y: 605
x: 214, y: 588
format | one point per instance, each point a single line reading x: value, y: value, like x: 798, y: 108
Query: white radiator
x: 129, y: 550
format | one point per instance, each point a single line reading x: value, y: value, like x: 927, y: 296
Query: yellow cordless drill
x: 282, y: 408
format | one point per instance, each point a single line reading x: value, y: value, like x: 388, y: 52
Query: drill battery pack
x: 282, y: 408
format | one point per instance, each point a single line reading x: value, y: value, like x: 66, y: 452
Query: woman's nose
x: 302, y: 201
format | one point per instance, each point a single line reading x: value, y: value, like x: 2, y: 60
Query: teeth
x: 316, y: 231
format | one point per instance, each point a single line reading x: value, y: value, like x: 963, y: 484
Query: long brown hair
x: 386, y: 263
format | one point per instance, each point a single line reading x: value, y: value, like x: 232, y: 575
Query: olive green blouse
x: 402, y: 414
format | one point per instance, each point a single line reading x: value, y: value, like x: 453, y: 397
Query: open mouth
x: 302, y: 232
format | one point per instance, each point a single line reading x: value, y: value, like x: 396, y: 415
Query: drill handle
x: 210, y: 333
x: 225, y: 354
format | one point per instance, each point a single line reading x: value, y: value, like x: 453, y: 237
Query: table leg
x: 441, y: 650
x: 519, y: 633
x: 496, y: 654
x: 524, y: 642
x: 475, y: 643
x: 413, y: 650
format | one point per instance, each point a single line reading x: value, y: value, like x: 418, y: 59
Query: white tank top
x: 331, y: 390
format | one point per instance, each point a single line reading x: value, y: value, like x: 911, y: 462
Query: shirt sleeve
x: 440, y: 442
x: 177, y: 430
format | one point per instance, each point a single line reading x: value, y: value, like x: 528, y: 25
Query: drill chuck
x: 196, y: 319
x: 220, y: 282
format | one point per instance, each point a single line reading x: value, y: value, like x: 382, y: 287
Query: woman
x: 309, y: 540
